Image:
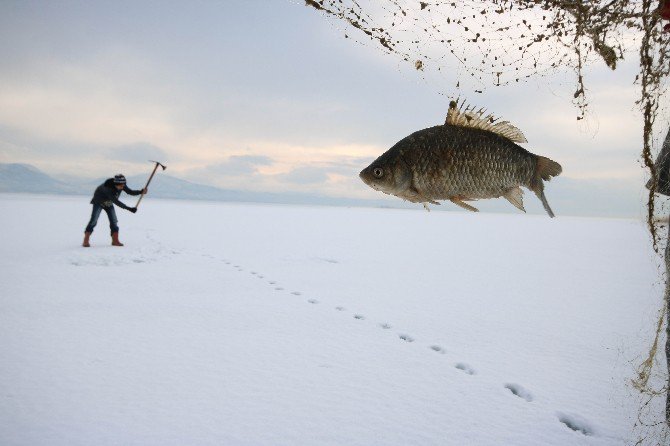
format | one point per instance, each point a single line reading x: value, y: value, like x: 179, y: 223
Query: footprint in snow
x: 406, y: 338
x: 385, y: 326
x: 323, y: 259
x: 279, y: 288
x: 272, y: 282
x: 260, y: 276
x: 576, y: 423
x: 437, y: 348
x: 466, y: 368
x: 340, y: 308
x: 296, y: 293
x: 313, y: 301
x: 359, y: 317
x: 253, y: 273
x: 519, y: 391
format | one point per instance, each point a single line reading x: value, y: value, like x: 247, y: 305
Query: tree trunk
x: 662, y: 165
x: 667, y: 320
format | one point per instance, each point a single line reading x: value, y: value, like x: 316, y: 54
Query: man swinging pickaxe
x: 106, y: 196
x: 146, y: 187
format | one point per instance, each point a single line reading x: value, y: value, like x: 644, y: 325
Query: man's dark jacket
x: 107, y: 193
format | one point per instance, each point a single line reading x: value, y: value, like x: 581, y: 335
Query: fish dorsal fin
x: 467, y: 116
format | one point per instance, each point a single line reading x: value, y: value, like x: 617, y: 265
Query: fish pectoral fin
x: 464, y: 205
x: 515, y: 196
x: 419, y: 197
x: 413, y: 195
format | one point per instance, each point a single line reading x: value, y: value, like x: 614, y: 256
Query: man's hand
x: 133, y: 210
x: 145, y: 191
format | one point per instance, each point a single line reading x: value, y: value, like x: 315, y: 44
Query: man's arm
x: 120, y: 204
x: 130, y: 191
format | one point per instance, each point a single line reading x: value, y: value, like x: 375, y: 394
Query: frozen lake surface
x: 233, y: 324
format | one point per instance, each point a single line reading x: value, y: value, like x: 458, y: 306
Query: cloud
x: 305, y: 175
x: 323, y: 173
x: 239, y: 165
x: 292, y: 170
x: 10, y: 151
x: 233, y: 172
x: 139, y: 152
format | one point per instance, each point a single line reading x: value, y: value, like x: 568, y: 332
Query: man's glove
x: 133, y: 210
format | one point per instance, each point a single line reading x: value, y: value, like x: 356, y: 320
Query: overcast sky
x: 263, y: 96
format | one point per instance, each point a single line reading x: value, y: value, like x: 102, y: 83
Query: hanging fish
x: 472, y: 156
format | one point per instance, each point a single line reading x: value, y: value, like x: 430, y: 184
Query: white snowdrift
x: 231, y: 324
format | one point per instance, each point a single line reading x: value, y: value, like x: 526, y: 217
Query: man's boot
x: 86, y: 244
x: 115, y: 239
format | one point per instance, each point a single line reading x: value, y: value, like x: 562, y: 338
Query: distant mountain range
x: 567, y: 196
x: 24, y: 178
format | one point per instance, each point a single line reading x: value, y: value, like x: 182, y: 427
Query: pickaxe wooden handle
x: 149, y: 180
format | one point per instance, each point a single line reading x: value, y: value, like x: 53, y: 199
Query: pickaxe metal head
x: 150, y: 178
x: 160, y: 164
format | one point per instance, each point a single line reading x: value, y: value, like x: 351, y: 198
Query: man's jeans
x: 111, y: 214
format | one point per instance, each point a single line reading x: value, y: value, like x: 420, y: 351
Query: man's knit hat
x: 119, y: 179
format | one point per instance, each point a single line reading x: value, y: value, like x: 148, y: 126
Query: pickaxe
x: 150, y: 177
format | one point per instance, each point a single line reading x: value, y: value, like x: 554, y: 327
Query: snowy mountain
x: 16, y: 177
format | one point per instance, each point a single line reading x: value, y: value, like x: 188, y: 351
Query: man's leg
x: 95, y: 213
x: 113, y: 225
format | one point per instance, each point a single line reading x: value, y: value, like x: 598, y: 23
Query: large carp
x: 471, y: 157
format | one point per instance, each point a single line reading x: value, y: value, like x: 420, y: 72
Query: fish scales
x: 460, y: 163
x: 477, y: 164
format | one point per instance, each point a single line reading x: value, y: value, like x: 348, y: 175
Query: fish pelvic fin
x: 515, y: 196
x: 464, y: 205
x: 463, y: 115
x: 544, y: 170
x: 425, y: 204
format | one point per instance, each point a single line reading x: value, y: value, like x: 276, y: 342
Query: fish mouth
x: 364, y: 177
x: 370, y: 182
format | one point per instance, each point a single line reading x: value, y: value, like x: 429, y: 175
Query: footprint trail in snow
x: 572, y: 421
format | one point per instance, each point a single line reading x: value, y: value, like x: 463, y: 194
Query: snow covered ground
x: 232, y: 324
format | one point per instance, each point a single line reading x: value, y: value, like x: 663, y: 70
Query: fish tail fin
x: 544, y: 170
x: 547, y: 168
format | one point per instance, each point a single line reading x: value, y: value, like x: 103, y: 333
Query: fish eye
x: 378, y: 172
